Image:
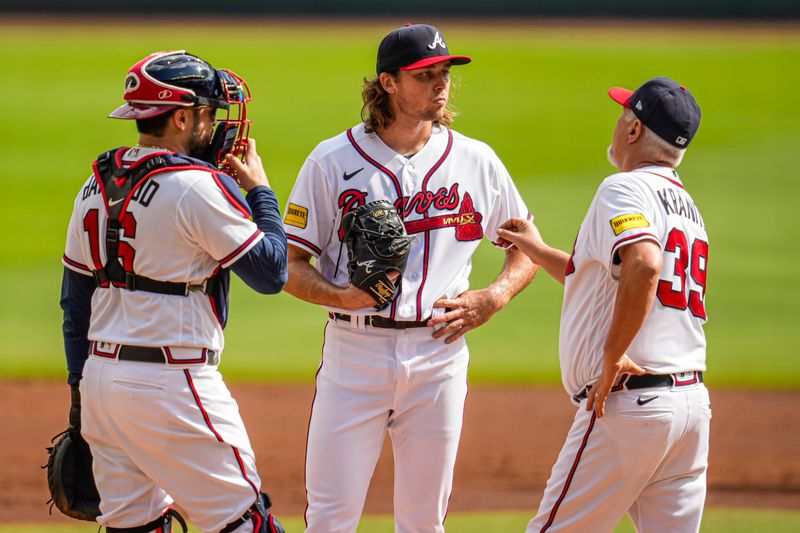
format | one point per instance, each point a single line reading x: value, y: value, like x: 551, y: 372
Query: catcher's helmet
x: 164, y: 80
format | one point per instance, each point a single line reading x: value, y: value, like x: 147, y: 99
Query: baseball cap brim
x: 621, y: 96
x: 139, y: 111
x: 428, y: 61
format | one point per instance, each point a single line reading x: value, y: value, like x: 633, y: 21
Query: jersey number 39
x: 697, y: 264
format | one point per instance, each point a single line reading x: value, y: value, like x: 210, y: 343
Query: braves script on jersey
x: 648, y: 203
x: 450, y: 194
x: 156, y: 243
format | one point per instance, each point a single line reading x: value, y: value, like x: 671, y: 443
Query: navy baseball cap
x: 414, y: 46
x: 664, y: 106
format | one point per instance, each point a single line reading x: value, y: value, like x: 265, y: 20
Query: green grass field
x: 535, y: 94
x: 715, y: 520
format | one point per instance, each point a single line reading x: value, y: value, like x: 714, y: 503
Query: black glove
x: 377, y: 244
x: 69, y: 469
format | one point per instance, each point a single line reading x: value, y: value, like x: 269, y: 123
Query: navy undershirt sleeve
x: 265, y: 267
x: 76, y: 302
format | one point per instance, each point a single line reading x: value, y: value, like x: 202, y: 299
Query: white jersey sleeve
x: 507, y: 204
x: 217, y: 220
x: 311, y: 211
x: 623, y: 214
x: 76, y: 250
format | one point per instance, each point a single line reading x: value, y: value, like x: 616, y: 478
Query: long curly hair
x: 377, y: 113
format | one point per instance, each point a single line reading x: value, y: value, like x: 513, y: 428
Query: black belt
x: 148, y: 354
x: 648, y: 381
x: 142, y: 354
x: 381, y: 322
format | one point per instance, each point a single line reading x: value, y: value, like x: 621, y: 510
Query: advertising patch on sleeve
x: 626, y: 222
x: 297, y: 216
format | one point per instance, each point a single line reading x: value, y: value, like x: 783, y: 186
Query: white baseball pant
x: 372, y: 380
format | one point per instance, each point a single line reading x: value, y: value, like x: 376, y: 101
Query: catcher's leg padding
x: 258, y: 514
x: 162, y: 524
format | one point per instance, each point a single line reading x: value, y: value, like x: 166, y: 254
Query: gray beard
x: 610, y: 157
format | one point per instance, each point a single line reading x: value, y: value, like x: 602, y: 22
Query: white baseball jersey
x: 181, y: 226
x: 451, y: 193
x: 647, y: 456
x: 648, y: 203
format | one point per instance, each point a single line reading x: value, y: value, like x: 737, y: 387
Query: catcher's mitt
x: 69, y: 476
x: 377, y: 244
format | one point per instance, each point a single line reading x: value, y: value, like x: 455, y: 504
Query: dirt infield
x: 511, y: 438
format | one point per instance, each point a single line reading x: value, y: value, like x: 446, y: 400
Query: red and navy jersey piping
x: 308, y: 244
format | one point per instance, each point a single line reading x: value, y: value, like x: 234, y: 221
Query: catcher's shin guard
x: 162, y: 524
x: 258, y: 514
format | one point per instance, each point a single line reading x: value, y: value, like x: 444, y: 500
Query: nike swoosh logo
x: 643, y: 402
x: 112, y: 203
x: 347, y: 176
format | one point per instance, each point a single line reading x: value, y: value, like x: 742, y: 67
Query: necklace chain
x: 140, y: 145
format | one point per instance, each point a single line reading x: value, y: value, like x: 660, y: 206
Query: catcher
x: 155, y: 232
x: 394, y: 356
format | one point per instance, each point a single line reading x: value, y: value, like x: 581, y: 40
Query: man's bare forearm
x: 518, y: 271
x: 307, y: 284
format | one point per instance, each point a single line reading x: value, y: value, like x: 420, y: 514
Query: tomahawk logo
x: 367, y: 265
x: 437, y: 41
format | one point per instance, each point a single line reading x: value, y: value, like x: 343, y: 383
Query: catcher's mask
x: 164, y: 81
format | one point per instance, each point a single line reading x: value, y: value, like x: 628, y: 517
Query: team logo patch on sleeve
x: 296, y: 215
x: 626, y: 222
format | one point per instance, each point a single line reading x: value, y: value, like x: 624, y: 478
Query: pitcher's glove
x: 69, y: 470
x: 377, y: 244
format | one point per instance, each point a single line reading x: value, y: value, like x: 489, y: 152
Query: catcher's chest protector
x: 119, y: 185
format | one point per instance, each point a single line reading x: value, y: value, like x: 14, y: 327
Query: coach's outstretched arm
x: 526, y: 237
x: 471, y: 309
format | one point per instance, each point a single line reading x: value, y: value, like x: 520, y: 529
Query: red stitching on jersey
x: 75, y: 264
x: 426, y: 254
x: 628, y: 238
x: 239, y: 249
x: 304, y: 242
x: 228, y: 195
x: 377, y: 165
x: 679, y: 184
x: 570, y: 476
